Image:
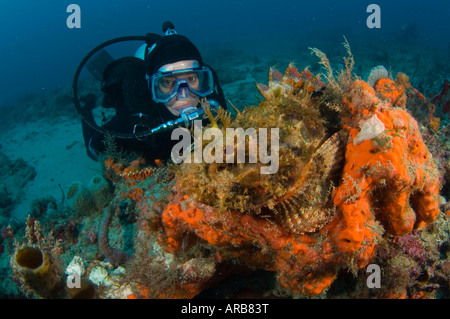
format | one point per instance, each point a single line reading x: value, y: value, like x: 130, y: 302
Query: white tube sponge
x: 377, y: 73
x: 80, y: 199
x: 370, y: 129
x: 101, y: 191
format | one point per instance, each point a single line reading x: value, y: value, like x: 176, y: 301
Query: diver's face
x: 184, y: 98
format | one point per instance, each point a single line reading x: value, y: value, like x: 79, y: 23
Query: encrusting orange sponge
x: 304, y: 263
x: 389, y: 184
x: 390, y: 177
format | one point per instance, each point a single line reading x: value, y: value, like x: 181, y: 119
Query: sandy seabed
x: 56, y: 151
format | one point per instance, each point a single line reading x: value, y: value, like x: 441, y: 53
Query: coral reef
x: 303, y: 142
x: 91, y: 199
x: 101, y: 191
x: 15, y: 174
x: 442, y: 100
x: 357, y: 183
x: 389, y: 183
x: 391, y: 177
x: 114, y: 256
x: 36, y: 265
x: 80, y: 199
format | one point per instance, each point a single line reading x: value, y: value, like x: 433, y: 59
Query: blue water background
x: 39, y: 53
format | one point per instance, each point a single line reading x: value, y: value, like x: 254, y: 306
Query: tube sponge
x: 91, y: 199
x: 101, y: 191
x: 35, y: 270
x: 32, y: 260
x: 80, y: 198
x: 377, y: 73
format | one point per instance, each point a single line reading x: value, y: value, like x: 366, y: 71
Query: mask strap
x: 170, y: 32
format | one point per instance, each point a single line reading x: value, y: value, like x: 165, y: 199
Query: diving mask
x: 166, y: 85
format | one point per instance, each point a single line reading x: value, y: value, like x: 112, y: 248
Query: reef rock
x: 308, y: 158
x: 15, y: 174
x: 335, y: 194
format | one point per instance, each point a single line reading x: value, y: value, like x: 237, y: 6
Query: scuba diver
x: 152, y: 93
